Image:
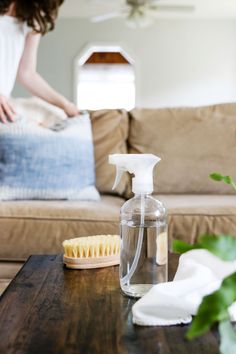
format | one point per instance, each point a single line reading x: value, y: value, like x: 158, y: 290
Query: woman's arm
x: 33, y: 82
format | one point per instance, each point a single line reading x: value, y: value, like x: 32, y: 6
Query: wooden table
x: 49, y: 309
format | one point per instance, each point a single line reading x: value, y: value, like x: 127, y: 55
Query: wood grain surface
x: 50, y: 309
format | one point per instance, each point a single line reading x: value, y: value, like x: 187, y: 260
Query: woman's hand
x: 70, y: 109
x: 7, y: 113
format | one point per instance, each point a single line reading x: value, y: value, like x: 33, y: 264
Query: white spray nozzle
x: 141, y: 165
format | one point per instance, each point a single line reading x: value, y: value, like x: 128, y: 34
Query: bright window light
x: 106, y: 86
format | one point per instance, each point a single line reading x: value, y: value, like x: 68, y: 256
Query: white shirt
x: 12, y: 42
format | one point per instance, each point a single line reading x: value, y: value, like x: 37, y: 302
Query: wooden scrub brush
x: 92, y: 251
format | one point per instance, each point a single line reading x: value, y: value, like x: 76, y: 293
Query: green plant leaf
x: 227, y: 338
x: 226, y: 179
x: 179, y: 246
x: 223, y: 246
x: 216, y: 176
x: 214, y: 308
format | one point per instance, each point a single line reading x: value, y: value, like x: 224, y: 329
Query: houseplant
x: 214, y: 307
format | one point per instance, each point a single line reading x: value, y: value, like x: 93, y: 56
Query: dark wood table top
x: 50, y: 309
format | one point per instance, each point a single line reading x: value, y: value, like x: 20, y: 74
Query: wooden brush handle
x: 89, y: 263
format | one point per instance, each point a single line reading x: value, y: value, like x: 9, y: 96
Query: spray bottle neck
x: 142, y: 182
x: 142, y: 195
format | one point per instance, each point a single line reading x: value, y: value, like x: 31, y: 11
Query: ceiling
x: 203, y: 8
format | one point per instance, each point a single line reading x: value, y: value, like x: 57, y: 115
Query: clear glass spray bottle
x: 143, y: 225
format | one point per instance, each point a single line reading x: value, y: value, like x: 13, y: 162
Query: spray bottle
x: 143, y: 225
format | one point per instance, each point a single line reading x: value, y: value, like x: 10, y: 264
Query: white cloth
x: 12, y: 42
x: 199, y: 273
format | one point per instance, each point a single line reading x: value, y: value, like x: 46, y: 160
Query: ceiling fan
x: 141, y: 13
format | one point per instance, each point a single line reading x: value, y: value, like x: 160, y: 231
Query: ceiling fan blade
x: 106, y: 17
x: 172, y: 8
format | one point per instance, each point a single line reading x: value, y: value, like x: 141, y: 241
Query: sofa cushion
x: 9, y: 269
x: 3, y: 284
x: 190, y: 216
x: 110, y: 133
x: 39, y: 227
x: 192, y: 142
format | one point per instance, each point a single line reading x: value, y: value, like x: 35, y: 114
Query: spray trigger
x: 119, y: 172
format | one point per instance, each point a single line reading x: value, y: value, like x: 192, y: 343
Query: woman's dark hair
x: 40, y: 15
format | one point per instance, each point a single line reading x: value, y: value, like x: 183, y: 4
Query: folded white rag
x: 199, y: 273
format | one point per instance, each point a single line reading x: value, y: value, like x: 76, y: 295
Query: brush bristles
x: 92, y: 246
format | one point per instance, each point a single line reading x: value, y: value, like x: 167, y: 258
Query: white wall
x: 178, y: 62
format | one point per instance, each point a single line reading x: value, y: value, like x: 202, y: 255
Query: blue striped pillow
x: 39, y: 163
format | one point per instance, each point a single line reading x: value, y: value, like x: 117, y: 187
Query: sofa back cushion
x: 110, y: 134
x: 192, y: 143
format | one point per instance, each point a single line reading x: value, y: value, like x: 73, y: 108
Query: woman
x: 22, y: 23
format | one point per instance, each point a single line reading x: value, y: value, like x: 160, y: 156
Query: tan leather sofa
x: 192, y: 142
